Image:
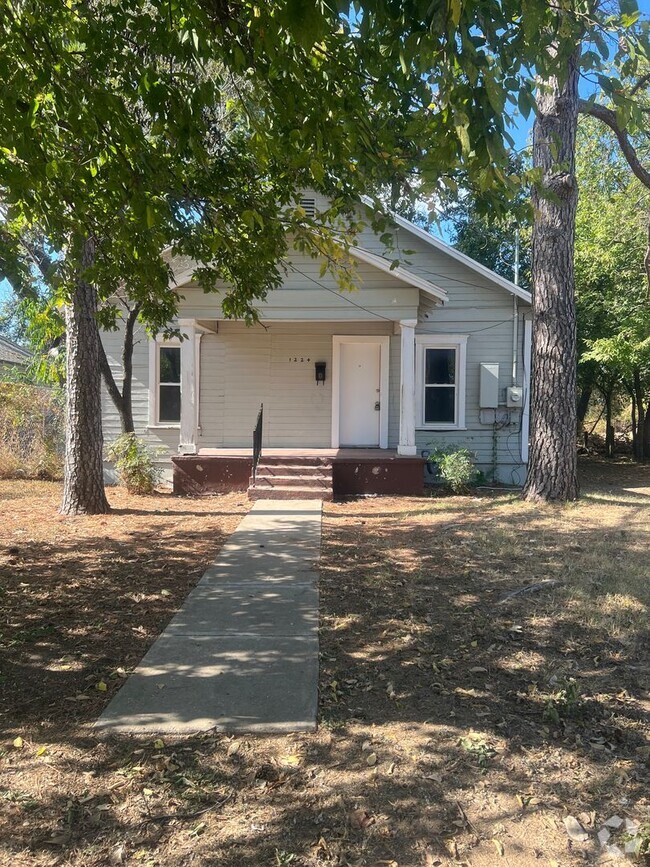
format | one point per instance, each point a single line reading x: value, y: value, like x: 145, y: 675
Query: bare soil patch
x: 458, y: 726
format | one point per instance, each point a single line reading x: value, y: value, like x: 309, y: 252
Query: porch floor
x: 335, y: 454
x: 343, y: 472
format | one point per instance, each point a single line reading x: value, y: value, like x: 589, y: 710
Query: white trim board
x: 384, y: 343
x: 154, y: 363
x: 399, y: 273
x: 440, y: 341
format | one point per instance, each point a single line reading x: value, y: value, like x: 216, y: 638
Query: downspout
x: 515, y: 338
x: 515, y: 313
x: 525, y: 415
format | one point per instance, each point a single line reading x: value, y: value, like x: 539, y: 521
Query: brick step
x: 291, y: 481
x: 289, y: 493
x: 283, y: 470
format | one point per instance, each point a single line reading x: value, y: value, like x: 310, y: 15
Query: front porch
x: 284, y: 472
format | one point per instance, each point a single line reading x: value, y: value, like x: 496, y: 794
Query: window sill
x: 163, y: 427
x: 440, y: 427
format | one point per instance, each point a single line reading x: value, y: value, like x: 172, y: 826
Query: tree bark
x: 646, y: 434
x: 83, y: 479
x: 122, y: 400
x: 552, y: 468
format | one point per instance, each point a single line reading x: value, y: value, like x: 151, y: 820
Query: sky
x: 520, y: 133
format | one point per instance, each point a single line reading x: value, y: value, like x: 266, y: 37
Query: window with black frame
x: 169, y: 384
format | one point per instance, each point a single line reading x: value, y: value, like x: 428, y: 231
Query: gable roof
x: 11, y: 353
x: 450, y: 251
x: 399, y: 273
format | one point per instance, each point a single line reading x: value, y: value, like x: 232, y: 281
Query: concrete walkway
x: 242, y: 652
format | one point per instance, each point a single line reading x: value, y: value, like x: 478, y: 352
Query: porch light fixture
x: 320, y: 367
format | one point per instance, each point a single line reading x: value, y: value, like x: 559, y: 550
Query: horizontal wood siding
x: 489, y: 330
x: 307, y: 295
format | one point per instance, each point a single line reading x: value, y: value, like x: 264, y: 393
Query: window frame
x: 154, y: 380
x: 457, y: 342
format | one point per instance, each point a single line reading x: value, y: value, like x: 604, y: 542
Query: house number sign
x: 295, y: 358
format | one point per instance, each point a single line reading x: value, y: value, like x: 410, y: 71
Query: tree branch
x: 608, y: 117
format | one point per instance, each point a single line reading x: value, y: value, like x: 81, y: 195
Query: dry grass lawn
x: 459, y: 724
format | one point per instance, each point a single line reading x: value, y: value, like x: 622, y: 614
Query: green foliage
x: 479, y: 231
x: 31, y: 431
x: 456, y: 467
x: 564, y: 703
x: 191, y: 127
x: 479, y: 748
x: 611, y: 282
x: 134, y: 461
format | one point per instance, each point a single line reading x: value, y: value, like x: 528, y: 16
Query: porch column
x: 187, y: 442
x: 407, y: 388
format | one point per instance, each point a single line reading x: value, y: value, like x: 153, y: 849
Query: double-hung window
x: 440, y: 381
x: 169, y: 383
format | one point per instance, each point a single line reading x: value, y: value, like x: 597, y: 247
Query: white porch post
x: 406, y: 444
x: 187, y: 443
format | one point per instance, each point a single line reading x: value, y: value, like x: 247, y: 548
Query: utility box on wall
x: 489, y: 386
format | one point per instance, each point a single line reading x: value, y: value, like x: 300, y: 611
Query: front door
x: 360, y: 382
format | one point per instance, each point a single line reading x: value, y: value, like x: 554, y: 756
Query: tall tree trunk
x: 646, y: 434
x: 83, y: 480
x: 553, y: 464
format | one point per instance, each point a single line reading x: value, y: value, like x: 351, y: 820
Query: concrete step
x: 291, y: 481
x: 266, y: 469
x: 282, y: 492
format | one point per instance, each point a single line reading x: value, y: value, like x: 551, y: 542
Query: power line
x: 379, y: 315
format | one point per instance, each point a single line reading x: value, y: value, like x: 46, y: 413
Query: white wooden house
x: 434, y: 352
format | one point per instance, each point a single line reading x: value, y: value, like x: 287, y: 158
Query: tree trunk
x: 83, y: 479
x: 639, y: 433
x: 583, y: 404
x: 122, y: 400
x: 553, y: 465
x: 609, y: 428
x: 646, y: 434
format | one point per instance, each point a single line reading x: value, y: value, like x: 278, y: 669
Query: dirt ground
x: 459, y: 724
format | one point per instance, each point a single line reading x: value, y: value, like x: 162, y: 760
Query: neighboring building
x: 436, y: 351
x: 12, y: 356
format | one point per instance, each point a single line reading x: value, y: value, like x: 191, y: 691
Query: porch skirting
x: 355, y: 472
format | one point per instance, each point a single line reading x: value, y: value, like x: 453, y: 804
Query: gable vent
x: 308, y: 206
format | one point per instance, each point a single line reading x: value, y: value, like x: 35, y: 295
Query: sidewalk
x: 242, y: 652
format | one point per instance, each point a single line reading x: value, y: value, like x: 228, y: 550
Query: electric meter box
x: 515, y: 396
x: 489, y: 386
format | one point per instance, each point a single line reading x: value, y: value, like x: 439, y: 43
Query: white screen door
x: 360, y: 381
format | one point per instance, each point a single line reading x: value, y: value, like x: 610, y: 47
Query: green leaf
x: 317, y: 171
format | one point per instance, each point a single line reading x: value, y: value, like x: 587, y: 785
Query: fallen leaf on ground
x: 575, y: 830
x: 18, y: 743
x: 361, y: 819
x: 371, y: 760
x: 498, y: 845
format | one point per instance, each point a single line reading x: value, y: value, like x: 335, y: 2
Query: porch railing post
x: 257, y: 441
